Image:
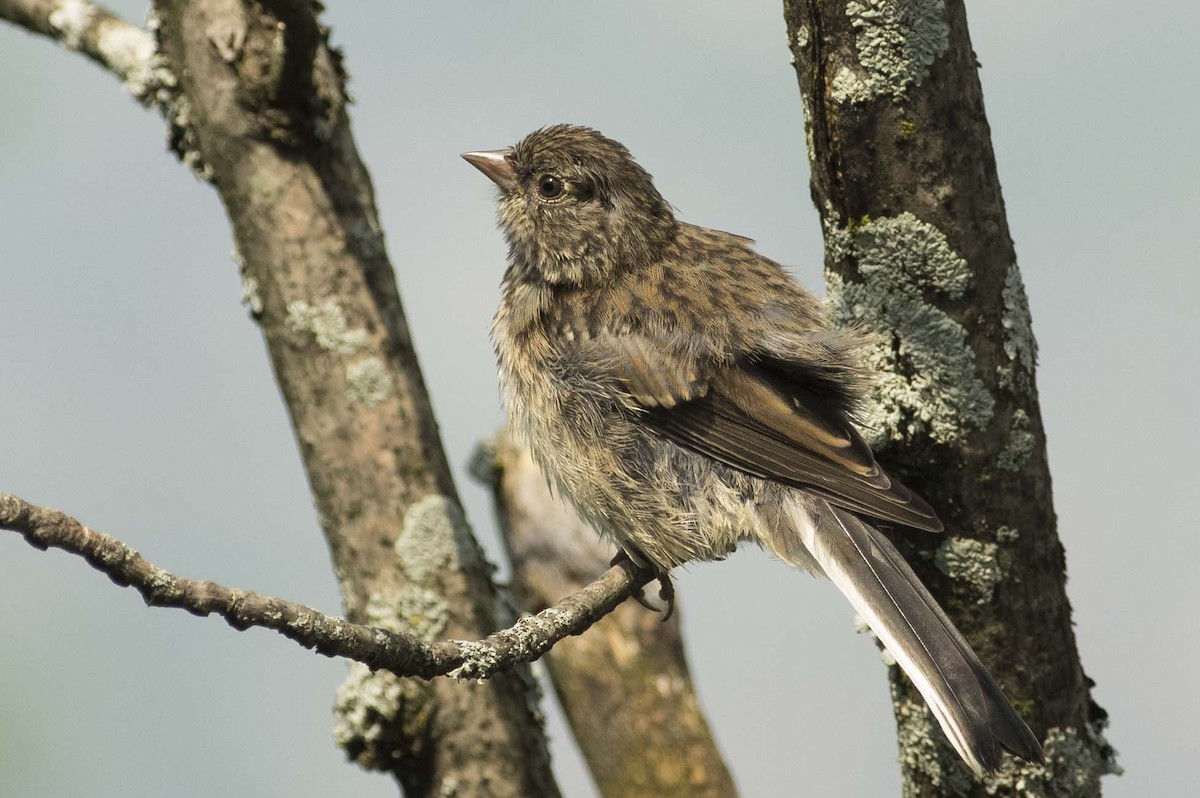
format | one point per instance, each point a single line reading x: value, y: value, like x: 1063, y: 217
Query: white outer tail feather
x: 814, y: 541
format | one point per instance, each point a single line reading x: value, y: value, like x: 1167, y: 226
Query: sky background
x: 135, y: 393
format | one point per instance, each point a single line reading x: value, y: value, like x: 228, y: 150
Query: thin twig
x: 405, y: 655
x: 124, y: 49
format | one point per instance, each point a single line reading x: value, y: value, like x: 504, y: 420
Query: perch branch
x: 525, y: 641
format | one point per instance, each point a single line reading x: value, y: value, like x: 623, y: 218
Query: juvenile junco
x: 686, y: 395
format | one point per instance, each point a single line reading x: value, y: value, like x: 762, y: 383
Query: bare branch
x: 254, y: 96
x: 124, y: 49
x: 402, y: 654
x: 610, y: 683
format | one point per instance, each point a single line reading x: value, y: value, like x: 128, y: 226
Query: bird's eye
x: 549, y: 187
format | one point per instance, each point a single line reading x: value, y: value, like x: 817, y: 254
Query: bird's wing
x: 758, y: 421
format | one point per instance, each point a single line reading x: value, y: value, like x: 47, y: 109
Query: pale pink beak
x: 497, y: 165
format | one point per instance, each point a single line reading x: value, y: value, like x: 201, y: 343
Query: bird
x: 686, y: 395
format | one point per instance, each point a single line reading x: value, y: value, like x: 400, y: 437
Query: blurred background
x: 136, y: 395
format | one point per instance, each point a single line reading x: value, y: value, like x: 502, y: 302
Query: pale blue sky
x: 137, y: 396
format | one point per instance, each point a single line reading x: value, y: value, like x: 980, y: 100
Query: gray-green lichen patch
x: 328, y: 326
x: 250, y: 296
x: 1006, y: 534
x: 71, y: 19
x: 973, y: 562
x: 434, y: 539
x: 837, y: 240
x: 925, y: 756
x: 182, y: 137
x: 409, y: 609
x: 368, y: 381
x: 419, y: 611
x: 449, y: 787
x: 1075, y: 762
x: 479, y: 661
x: 365, y: 713
x: 507, y: 614
x: 1019, y: 343
x: 896, y: 43
x: 523, y: 639
x: 1021, y: 442
x: 129, y: 51
x: 368, y: 723
x: 927, y: 383
x: 906, y: 244
x: 848, y: 87
x: 133, y: 54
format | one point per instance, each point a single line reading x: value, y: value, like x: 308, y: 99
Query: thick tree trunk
x: 261, y: 114
x: 624, y: 686
x: 918, y: 251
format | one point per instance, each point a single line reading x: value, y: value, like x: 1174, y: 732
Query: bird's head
x: 575, y: 207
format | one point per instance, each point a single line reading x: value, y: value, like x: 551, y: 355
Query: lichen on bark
x: 927, y: 383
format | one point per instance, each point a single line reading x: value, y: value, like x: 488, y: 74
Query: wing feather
x: 758, y: 421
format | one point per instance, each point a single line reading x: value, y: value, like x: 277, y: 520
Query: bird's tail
x: 969, y: 705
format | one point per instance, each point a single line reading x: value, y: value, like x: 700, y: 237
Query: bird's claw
x: 639, y: 596
x: 666, y: 590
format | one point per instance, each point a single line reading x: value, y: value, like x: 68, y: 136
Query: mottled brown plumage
x: 686, y: 395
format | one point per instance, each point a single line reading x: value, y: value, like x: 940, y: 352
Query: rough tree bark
x: 265, y: 102
x: 918, y: 250
x: 255, y: 97
x: 625, y: 686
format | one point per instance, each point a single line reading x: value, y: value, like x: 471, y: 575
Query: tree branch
x: 918, y: 250
x: 254, y: 97
x: 625, y: 687
x: 321, y: 287
x: 124, y: 49
x: 402, y: 654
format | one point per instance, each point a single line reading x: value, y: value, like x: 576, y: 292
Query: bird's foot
x: 666, y: 589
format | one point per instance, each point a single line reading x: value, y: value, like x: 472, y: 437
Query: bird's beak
x: 496, y: 164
